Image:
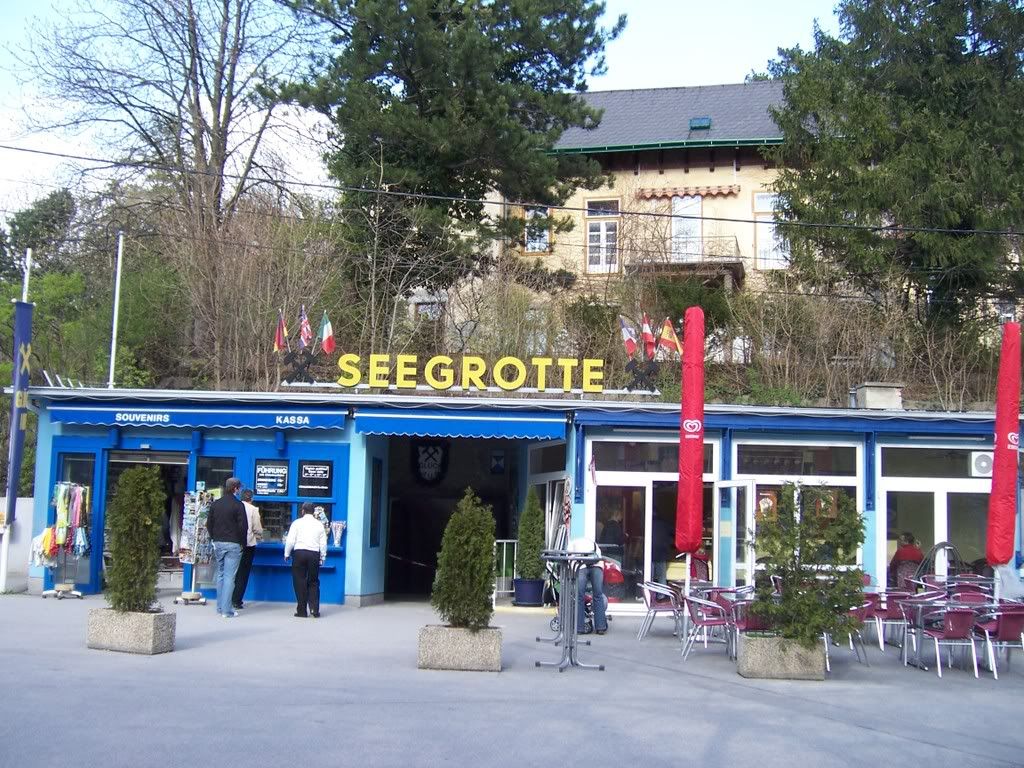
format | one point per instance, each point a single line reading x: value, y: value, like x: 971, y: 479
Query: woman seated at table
x: 907, y: 551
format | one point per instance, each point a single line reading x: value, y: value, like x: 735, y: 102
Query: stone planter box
x: 775, y: 658
x: 147, y: 633
x: 443, y: 647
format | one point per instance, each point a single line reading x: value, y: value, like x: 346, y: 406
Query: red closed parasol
x: 690, y: 499
x: 1002, y: 501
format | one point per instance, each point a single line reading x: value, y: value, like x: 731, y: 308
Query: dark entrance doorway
x: 427, y: 478
x: 173, y: 468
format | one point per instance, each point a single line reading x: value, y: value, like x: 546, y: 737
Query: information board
x: 316, y: 478
x: 271, y: 477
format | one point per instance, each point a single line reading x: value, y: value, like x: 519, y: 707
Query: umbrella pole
x: 686, y: 592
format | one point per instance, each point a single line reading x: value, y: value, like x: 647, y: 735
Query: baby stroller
x: 552, y: 590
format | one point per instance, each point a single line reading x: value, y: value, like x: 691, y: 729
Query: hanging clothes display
x: 62, y: 545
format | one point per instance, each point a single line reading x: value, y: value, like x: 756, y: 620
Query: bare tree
x: 181, y: 90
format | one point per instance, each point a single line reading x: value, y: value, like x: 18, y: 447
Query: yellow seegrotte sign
x: 441, y: 372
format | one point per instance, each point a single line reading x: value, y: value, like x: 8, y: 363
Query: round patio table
x: 570, y: 564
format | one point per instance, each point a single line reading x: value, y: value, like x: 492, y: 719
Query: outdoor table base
x: 571, y: 563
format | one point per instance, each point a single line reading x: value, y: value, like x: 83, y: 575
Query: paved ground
x: 267, y: 689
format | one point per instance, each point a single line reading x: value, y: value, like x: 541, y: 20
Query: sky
x: 665, y: 43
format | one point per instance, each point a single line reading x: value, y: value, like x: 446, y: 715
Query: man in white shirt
x: 253, y: 535
x: 306, y: 544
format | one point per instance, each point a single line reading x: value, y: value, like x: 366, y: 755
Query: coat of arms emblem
x: 429, y: 461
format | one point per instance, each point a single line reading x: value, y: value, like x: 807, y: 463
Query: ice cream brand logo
x: 692, y: 428
x: 1013, y: 439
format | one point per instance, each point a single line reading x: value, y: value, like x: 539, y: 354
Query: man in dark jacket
x: 228, y: 525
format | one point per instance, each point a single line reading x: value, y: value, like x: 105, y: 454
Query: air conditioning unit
x: 981, y: 464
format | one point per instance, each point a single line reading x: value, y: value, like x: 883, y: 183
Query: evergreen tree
x: 910, y: 118
x: 456, y: 99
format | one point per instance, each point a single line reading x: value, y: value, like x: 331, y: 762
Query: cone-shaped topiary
x: 531, y: 539
x: 135, y: 522
x: 465, y: 566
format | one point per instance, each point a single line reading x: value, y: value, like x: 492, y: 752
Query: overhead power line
x: 153, y: 166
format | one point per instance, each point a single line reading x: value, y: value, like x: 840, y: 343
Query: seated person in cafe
x: 907, y: 551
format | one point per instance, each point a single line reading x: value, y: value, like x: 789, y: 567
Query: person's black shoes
x: 316, y: 615
x: 601, y: 631
x: 238, y: 607
x: 300, y: 615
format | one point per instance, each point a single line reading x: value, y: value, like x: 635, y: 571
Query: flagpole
x: 7, y: 529
x: 117, y: 302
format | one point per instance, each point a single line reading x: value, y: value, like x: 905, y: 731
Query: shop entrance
x: 173, y: 469
x: 427, y: 478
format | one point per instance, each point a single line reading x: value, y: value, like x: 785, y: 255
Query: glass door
x: 966, y: 524
x: 621, y: 525
x: 738, y: 497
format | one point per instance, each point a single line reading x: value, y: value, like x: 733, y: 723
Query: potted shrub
x: 529, y: 586
x: 801, y: 549
x: 462, y: 594
x: 133, y: 623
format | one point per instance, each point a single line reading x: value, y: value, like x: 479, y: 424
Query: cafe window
x: 78, y: 468
x: 615, y: 456
x: 214, y: 471
x: 935, y: 462
x: 792, y: 460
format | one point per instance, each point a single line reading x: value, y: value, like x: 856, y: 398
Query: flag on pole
x: 280, y: 334
x: 648, y: 337
x: 305, y: 331
x: 326, y: 335
x: 628, y: 336
x: 668, y: 339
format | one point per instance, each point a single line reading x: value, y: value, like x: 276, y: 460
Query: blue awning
x: 440, y: 422
x: 198, y: 417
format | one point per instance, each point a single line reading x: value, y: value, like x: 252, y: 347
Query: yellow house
x: 692, y: 155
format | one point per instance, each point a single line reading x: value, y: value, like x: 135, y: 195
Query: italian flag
x: 326, y: 335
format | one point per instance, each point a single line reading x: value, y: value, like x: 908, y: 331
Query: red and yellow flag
x: 668, y: 340
x: 280, y: 334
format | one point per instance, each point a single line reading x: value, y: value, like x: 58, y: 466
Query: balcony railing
x: 688, y: 250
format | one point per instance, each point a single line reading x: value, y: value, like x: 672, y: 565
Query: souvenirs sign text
x: 471, y: 372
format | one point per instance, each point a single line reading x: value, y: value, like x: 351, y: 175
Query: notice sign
x: 271, y: 477
x: 316, y: 478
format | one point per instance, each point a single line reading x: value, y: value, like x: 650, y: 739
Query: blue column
x: 871, y: 527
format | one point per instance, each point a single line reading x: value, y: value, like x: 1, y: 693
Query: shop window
x: 214, y: 471
x: 666, y: 563
x: 826, y: 504
x: 547, y: 458
x: 376, y: 500
x: 911, y: 512
x: 934, y: 462
x: 966, y: 526
x: 621, y: 535
x: 271, y: 477
x: 614, y: 456
x: 792, y: 460
x: 316, y: 478
x: 276, y: 517
x: 78, y: 468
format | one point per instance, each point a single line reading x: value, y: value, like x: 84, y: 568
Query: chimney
x: 879, y: 395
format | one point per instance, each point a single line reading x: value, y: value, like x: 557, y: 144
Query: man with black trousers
x: 306, y: 544
x: 228, y: 527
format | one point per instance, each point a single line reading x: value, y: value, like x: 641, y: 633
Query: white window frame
x: 855, y: 481
x: 770, y: 246
x: 608, y: 230
x: 538, y: 240
x: 686, y: 244
x: 645, y: 480
x: 939, y: 487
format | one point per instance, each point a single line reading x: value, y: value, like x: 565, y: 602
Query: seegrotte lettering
x: 471, y: 372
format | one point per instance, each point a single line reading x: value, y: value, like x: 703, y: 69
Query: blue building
x: 392, y: 467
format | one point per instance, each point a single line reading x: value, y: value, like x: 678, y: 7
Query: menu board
x: 316, y: 478
x: 271, y: 477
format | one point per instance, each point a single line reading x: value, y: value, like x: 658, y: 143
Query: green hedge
x: 465, y: 566
x: 135, y: 523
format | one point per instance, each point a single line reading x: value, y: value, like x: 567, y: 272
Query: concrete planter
x: 443, y: 647
x: 147, y: 633
x: 776, y: 658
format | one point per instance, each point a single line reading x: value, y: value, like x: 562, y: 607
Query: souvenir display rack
x: 69, y: 537
x: 195, y: 549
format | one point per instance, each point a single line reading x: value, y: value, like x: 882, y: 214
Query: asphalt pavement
x: 268, y: 689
